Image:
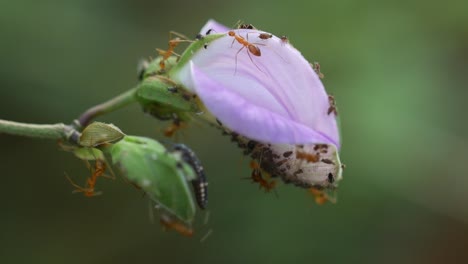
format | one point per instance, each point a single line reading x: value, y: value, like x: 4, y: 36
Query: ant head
x: 231, y: 33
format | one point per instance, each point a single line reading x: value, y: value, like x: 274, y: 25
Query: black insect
x: 330, y: 178
x: 246, y: 26
x: 200, y: 183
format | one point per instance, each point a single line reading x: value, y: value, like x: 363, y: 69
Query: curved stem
x: 113, y: 104
x: 49, y: 131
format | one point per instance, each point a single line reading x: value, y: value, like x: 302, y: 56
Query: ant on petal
x: 251, y: 48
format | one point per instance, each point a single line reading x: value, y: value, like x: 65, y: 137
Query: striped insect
x: 200, y: 183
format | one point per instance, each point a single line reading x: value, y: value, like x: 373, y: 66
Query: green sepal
x: 158, y: 90
x: 153, y: 68
x: 162, y: 175
x: 192, y: 49
x: 89, y: 154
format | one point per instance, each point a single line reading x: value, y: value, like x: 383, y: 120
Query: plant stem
x: 113, y: 104
x: 67, y: 132
x: 49, y: 131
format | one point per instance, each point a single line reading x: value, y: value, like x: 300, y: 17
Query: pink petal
x: 275, y: 97
x: 250, y: 119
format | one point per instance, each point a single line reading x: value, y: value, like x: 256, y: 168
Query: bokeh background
x: 398, y: 70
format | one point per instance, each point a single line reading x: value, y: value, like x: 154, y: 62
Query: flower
x: 275, y: 97
x: 265, y: 94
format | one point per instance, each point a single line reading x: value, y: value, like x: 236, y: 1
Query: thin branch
x: 46, y: 131
x: 113, y: 104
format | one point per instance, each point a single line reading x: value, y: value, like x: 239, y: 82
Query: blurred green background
x: 398, y: 70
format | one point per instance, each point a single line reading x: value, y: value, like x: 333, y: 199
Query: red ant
x: 257, y: 177
x: 320, y: 196
x: 308, y: 156
x: 176, y: 225
x: 172, y: 45
x: 332, y: 108
x: 251, y: 48
x: 174, y: 127
x: 99, y: 170
x: 246, y: 44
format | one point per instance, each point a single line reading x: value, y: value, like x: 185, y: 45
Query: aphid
x: 173, y: 42
x: 284, y: 39
x: 330, y: 177
x: 173, y: 90
x: 200, y: 36
x: 200, y: 183
x: 316, y: 67
x: 88, y: 191
x: 332, y: 108
x: 257, y: 177
x: 327, y: 161
x: 246, y: 26
x: 309, y: 157
x: 321, y: 147
x: 265, y: 36
x: 172, y: 223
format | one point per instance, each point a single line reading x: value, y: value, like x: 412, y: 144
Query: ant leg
x: 248, y: 52
x: 78, y: 188
x: 232, y: 43
x: 180, y: 35
x: 250, y: 57
x: 266, y: 46
x: 235, y: 69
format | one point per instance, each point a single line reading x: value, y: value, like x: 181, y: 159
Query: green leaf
x: 162, y: 175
